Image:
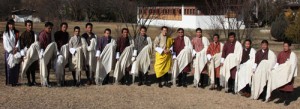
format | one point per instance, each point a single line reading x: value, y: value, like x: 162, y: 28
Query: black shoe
x: 147, y: 83
x: 279, y: 101
x: 140, y: 83
x: 29, y: 84
x: 77, y: 84
x: 219, y: 88
x: 229, y: 91
x: 286, y: 103
x: 166, y: 84
x: 127, y: 83
x: 179, y: 85
x: 184, y: 85
x: 160, y: 85
x: 34, y: 83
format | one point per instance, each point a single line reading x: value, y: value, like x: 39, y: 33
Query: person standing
x: 89, y: 48
x: 75, y: 47
x: 27, y: 38
x: 163, y: 56
x: 141, y: 56
x: 12, y: 53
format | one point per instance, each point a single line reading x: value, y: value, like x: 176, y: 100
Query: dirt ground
x: 133, y: 96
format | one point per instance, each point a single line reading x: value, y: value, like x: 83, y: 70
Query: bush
x: 278, y: 27
x: 293, y: 31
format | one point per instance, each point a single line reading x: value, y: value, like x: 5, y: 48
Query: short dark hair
x: 248, y: 40
x: 143, y: 27
x: 64, y: 23
x: 76, y: 27
x: 264, y: 42
x: 164, y: 27
x: 125, y: 29
x: 231, y: 34
x: 199, y: 29
x: 287, y: 42
x: 28, y: 21
x: 107, y: 29
x: 88, y: 24
x: 48, y: 24
x: 180, y: 29
x: 216, y: 35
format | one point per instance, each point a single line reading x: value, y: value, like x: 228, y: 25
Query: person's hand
x: 15, y: 50
x: 166, y: 51
x: 221, y: 64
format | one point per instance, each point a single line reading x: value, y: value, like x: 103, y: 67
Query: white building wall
x: 205, y: 22
x: 23, y: 18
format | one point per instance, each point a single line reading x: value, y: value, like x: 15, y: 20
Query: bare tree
x: 229, y: 16
x: 129, y: 13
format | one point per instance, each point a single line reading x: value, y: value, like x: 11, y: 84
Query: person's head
x: 264, y: 44
x: 143, y: 30
x: 48, y: 27
x: 89, y: 27
x: 216, y: 37
x: 287, y: 45
x: 198, y: 32
x: 107, y: 32
x: 125, y: 32
x: 180, y: 32
x: 231, y: 37
x: 28, y: 25
x: 64, y: 26
x: 76, y: 30
x: 10, y: 25
x: 164, y: 30
x: 247, y: 43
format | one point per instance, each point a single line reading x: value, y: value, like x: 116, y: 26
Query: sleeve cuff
x: 118, y: 55
x: 222, y: 60
x: 208, y: 56
x: 134, y: 53
x: 98, y: 53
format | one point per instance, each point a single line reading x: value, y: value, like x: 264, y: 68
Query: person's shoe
x: 29, y: 84
x: 147, y: 83
x: 34, y: 83
x: 184, y: 85
x: 219, y: 88
x: 127, y: 83
x: 179, y: 85
x: 160, y: 85
x: 228, y: 91
x: 286, y: 103
x: 78, y: 84
x: 140, y: 83
x: 242, y: 93
x: 88, y: 82
x: 279, y: 101
x: 166, y: 84
x: 212, y: 88
x: 247, y: 95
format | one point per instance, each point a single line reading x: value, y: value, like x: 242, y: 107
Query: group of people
x: 237, y: 67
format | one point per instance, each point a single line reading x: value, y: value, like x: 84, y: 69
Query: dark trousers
x: 247, y: 89
x: 182, y: 78
x: 106, y: 79
x: 12, y: 74
x: 143, y: 77
x: 126, y: 77
x: 165, y: 77
x: 204, y: 79
x: 231, y: 84
x: 217, y: 82
x: 31, y: 73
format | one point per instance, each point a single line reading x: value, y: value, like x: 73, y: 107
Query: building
x: 23, y: 15
x: 186, y: 14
